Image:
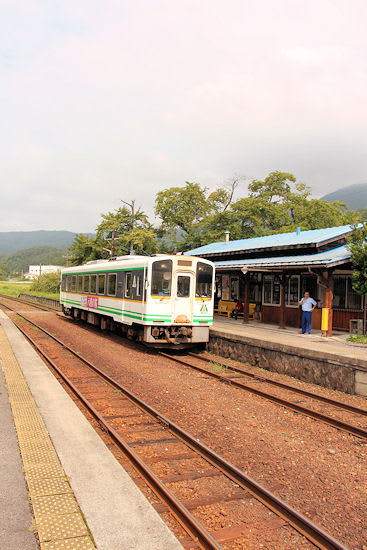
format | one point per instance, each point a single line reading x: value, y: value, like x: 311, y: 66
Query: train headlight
x: 182, y: 319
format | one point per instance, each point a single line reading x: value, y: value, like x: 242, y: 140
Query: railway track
x: 160, y: 451
x: 238, y: 378
x: 30, y: 303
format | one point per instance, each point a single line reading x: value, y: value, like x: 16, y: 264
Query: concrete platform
x: 328, y: 361
x: 103, y: 508
x: 16, y: 517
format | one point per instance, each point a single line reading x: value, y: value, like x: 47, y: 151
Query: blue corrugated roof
x: 280, y: 239
x: 327, y: 258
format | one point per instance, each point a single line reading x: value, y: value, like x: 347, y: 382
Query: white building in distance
x: 36, y: 270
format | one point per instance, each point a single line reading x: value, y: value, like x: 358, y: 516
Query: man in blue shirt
x: 308, y: 305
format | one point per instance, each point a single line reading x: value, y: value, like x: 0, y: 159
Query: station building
x: 270, y: 275
x: 35, y: 271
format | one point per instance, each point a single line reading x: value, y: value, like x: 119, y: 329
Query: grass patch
x: 14, y: 289
x: 217, y: 367
x: 357, y: 338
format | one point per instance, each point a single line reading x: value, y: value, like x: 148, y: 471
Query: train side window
x: 204, y: 280
x: 128, y: 285
x: 73, y: 283
x: 101, y: 284
x: 183, y: 286
x: 111, y: 284
x: 68, y: 283
x: 86, y: 284
x: 161, y: 278
x: 80, y: 283
x: 93, y: 284
x: 63, y: 283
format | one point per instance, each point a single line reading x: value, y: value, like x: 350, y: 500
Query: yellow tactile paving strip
x: 59, y: 521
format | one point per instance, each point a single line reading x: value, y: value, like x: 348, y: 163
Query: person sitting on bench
x: 238, y: 309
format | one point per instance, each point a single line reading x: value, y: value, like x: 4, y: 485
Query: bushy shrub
x: 48, y: 282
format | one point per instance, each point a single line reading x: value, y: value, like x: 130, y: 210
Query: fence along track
x: 47, y: 304
x: 312, y: 532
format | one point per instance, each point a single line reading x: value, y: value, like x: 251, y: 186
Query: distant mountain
x: 22, y: 259
x: 355, y: 196
x: 13, y: 241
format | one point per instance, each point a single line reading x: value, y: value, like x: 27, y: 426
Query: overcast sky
x: 109, y: 100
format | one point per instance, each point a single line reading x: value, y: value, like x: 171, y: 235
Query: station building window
x: 111, y: 284
x: 218, y: 287
x: 344, y: 297
x: 292, y: 291
x: 271, y: 290
x: 235, y: 288
x: 309, y: 284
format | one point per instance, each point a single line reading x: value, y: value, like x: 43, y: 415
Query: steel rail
x: 190, y: 524
x: 316, y: 396
x: 302, y: 524
x: 339, y: 424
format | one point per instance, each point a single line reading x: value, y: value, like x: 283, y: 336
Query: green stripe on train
x: 102, y: 271
x: 125, y: 313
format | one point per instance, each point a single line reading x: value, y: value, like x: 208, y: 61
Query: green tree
x: 191, y: 217
x: 182, y: 207
x: 363, y: 213
x: 48, y: 282
x: 114, y: 234
x: 124, y: 228
x: 4, y: 272
x: 276, y: 201
x: 84, y: 249
x: 358, y: 247
x: 317, y: 214
x: 279, y: 204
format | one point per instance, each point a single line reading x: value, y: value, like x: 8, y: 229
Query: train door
x: 183, y: 303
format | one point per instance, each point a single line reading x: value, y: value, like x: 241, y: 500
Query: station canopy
x: 317, y: 248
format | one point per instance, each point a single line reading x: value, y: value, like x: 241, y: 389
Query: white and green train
x: 160, y: 300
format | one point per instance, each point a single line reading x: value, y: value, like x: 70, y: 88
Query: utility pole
x: 132, y: 206
x: 112, y: 242
x: 112, y: 249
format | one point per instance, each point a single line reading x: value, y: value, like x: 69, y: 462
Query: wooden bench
x: 226, y: 307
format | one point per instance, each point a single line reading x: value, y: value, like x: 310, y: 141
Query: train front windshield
x: 161, y: 278
x: 204, y: 280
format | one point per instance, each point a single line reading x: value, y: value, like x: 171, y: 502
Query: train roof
x: 121, y: 262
